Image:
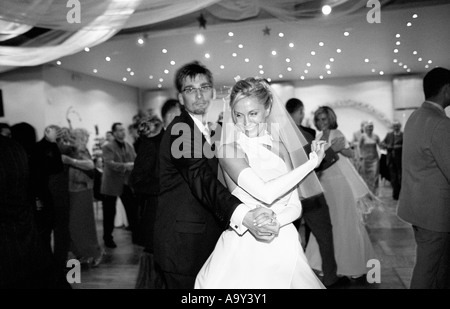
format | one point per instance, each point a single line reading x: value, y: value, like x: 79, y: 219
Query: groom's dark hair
x: 434, y: 81
x: 191, y: 70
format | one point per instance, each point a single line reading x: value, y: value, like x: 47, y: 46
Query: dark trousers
x: 146, y: 220
x: 317, y: 220
x: 395, y: 172
x: 109, y: 212
x: 432, y: 268
x: 177, y: 281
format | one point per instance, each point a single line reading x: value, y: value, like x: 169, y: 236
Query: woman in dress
x: 83, y: 232
x: 368, y: 145
x: 349, y: 199
x: 256, y: 168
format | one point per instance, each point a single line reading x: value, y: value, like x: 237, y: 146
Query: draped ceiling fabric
x: 102, y: 19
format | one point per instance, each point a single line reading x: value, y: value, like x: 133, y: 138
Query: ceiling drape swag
x: 102, y: 19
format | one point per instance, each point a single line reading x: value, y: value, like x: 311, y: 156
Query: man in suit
x: 118, y: 158
x: 315, y: 209
x: 193, y: 207
x: 425, y: 197
x: 393, y: 143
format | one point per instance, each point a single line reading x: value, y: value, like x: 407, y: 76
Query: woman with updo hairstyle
x: 257, y: 169
x: 83, y: 232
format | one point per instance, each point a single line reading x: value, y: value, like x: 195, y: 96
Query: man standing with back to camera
x: 425, y: 195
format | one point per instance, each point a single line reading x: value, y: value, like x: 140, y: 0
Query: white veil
x: 282, y: 128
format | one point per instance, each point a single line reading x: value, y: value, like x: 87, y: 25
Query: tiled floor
x: 392, y: 239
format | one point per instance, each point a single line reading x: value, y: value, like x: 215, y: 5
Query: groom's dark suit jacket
x: 194, y: 207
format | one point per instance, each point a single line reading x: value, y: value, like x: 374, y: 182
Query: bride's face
x: 250, y: 116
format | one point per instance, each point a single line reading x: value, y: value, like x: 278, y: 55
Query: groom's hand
x: 259, y: 231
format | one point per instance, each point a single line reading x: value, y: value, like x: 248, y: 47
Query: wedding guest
x: 83, y: 231
x: 393, y: 143
x: 118, y: 157
x: 425, y: 196
x: 368, y: 145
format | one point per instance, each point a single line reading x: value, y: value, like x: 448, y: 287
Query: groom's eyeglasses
x: 192, y: 90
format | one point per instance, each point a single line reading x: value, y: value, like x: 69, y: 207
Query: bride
x: 257, y: 168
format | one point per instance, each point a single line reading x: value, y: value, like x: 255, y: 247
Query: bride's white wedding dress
x: 241, y: 261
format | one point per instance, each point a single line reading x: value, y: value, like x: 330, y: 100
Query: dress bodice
x: 265, y: 163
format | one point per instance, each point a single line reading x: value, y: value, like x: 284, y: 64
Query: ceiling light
x: 430, y: 62
x: 131, y: 73
x: 313, y: 53
x: 291, y: 45
x: 400, y: 64
x: 331, y: 59
x: 274, y: 52
x: 140, y: 41
x: 241, y: 46
x: 321, y: 44
x: 124, y: 79
x: 321, y: 76
x: 328, y: 72
x: 328, y: 67
x: 326, y: 10
x: 237, y: 77
x: 306, y: 71
x: 366, y: 60
x: 207, y: 56
x: 281, y: 34
x: 58, y: 62
x: 415, y: 52
x: 161, y: 80
x: 234, y: 54
x: 269, y: 79
x: 261, y: 72
x: 164, y: 51
x: 409, y: 24
x: 172, y: 62
x: 409, y: 70
x: 128, y: 69
x: 222, y: 67
x: 397, y: 35
x: 396, y: 50
x: 247, y: 60
x: 427, y: 66
x: 302, y: 77
x: 373, y: 70
x: 280, y: 76
x: 288, y: 60
x: 346, y: 33
x: 289, y: 69
x: 397, y: 43
x: 415, y: 16
x: 338, y: 50
x: 199, y: 38
x: 166, y: 71
x: 230, y: 33
x: 86, y: 49
x: 150, y: 76
x: 381, y: 73
x: 260, y: 66
x: 308, y: 64
x: 159, y: 86
x: 420, y: 59
x: 395, y: 60
x: 94, y: 70
x: 405, y: 66
x: 108, y: 58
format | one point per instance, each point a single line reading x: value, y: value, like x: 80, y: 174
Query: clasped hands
x: 262, y: 223
x: 318, y: 149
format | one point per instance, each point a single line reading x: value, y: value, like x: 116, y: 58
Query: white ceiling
x: 427, y: 38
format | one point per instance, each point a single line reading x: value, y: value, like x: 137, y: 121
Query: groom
x: 194, y: 207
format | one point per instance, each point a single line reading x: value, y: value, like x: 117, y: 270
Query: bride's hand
x: 318, y: 149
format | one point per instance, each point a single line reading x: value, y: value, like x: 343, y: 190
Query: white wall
x: 44, y: 95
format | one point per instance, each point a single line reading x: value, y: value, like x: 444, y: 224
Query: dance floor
x: 392, y: 239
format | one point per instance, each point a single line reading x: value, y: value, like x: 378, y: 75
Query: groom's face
x: 196, y: 94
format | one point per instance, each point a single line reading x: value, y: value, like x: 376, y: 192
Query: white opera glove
x: 269, y: 191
